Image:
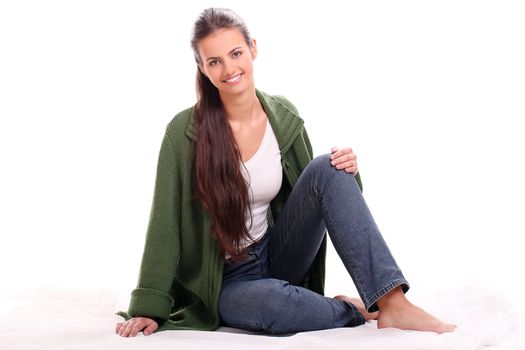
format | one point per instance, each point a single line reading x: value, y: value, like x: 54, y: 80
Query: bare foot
x: 398, y: 312
x: 360, y: 306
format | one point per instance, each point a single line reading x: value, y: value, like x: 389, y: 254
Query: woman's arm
x: 151, y: 298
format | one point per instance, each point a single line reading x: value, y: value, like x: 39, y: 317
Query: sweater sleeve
x: 152, y: 296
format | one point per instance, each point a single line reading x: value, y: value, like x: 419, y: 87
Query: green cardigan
x: 181, y: 271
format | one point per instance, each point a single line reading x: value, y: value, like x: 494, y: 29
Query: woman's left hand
x: 344, y: 159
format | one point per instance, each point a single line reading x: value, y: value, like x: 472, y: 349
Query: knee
x: 321, y: 171
x: 265, y: 295
x: 321, y: 164
x: 241, y: 299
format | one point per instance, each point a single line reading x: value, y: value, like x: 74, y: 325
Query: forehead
x: 220, y: 43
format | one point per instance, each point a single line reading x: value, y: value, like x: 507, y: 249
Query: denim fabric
x: 260, y: 293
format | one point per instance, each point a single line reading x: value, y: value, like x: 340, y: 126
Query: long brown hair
x: 219, y: 183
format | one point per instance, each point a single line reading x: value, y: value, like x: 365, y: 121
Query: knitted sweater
x: 181, y: 270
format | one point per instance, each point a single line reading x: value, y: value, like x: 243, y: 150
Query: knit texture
x: 181, y: 270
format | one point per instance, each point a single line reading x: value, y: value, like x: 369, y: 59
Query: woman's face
x: 227, y: 60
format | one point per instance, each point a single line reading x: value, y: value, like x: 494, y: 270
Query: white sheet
x: 60, y: 319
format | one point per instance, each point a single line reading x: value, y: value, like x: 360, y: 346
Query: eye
x: 213, y: 62
x: 236, y: 54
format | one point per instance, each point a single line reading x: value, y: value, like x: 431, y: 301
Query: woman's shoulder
x: 178, y: 126
x: 277, y: 100
x: 285, y: 102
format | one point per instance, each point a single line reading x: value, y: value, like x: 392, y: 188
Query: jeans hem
x: 359, y: 318
x: 371, y: 303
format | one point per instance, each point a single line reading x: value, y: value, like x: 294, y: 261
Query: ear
x: 253, y: 48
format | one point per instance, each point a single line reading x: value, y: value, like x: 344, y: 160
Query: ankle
x: 393, y: 299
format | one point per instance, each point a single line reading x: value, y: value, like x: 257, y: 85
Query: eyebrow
x: 212, y: 58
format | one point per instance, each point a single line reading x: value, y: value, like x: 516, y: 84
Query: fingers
x: 129, y: 328
x: 350, y: 168
x: 345, y: 154
x: 151, y: 328
x: 344, y: 159
x: 336, y: 152
x: 344, y: 162
x: 132, y: 327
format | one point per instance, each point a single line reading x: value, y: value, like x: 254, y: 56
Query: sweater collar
x: 286, y: 123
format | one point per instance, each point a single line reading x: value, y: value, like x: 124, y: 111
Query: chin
x: 235, y: 90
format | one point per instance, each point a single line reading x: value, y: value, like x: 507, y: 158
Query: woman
x: 236, y: 235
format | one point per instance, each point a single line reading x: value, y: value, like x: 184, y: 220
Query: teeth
x: 234, y: 79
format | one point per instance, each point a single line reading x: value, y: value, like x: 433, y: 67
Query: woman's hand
x: 344, y: 159
x: 131, y: 327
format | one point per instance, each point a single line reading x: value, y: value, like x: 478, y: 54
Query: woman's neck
x: 242, y: 108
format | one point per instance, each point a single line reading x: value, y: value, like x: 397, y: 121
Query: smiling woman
x: 228, y: 68
x: 237, y: 231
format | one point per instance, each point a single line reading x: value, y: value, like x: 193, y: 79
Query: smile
x: 233, y: 80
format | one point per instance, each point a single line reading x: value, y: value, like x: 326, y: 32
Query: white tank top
x: 264, y: 175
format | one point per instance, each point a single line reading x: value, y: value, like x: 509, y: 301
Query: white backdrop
x: 428, y: 94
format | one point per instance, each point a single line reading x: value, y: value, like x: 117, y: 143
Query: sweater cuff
x: 151, y: 303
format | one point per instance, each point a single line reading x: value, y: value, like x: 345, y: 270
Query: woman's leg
x: 250, y: 300
x: 277, y: 307
x: 324, y: 197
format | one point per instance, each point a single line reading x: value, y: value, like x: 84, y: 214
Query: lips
x: 233, y: 80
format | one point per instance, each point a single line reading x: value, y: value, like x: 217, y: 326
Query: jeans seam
x: 354, y: 267
x: 329, y: 223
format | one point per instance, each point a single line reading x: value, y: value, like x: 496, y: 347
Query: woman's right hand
x: 131, y: 327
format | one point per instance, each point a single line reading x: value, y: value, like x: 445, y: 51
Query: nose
x: 229, y: 68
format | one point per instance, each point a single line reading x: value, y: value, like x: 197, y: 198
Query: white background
x: 428, y: 94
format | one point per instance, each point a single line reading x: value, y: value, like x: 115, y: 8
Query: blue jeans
x: 260, y: 293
